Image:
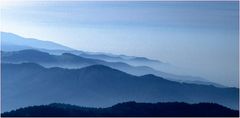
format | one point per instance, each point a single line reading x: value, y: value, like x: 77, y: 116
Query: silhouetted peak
x: 130, y: 103
x: 151, y: 76
x: 99, y: 66
x: 104, y: 70
x: 144, y: 59
x: 69, y: 54
x: 140, y: 58
x: 56, y: 104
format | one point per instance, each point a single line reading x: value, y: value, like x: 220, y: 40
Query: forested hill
x: 127, y: 109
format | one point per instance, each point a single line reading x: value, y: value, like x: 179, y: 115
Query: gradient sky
x: 201, y: 37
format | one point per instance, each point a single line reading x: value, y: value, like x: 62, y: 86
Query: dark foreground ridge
x: 127, y: 109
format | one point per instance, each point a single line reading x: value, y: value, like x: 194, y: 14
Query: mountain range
x: 13, y: 42
x: 36, y: 72
x: 99, y: 86
x: 127, y: 109
x: 68, y: 60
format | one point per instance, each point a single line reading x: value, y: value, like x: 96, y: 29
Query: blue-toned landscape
x: 143, y: 59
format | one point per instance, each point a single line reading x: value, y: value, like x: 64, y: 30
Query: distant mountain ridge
x: 68, y: 60
x: 136, y: 61
x: 99, y: 86
x: 13, y: 42
x: 127, y: 109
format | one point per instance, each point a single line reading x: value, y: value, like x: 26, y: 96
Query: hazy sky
x: 201, y: 37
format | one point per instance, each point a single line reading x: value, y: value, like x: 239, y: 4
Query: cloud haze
x: 201, y: 37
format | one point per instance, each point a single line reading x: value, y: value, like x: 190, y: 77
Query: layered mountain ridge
x: 41, y: 72
x: 99, y: 86
x: 68, y: 60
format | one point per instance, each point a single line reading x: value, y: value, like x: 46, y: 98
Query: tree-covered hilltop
x: 127, y: 109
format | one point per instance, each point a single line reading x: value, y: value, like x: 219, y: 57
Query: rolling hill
x: 99, y: 86
x: 127, y: 109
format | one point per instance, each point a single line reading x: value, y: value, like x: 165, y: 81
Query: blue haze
x: 200, y: 37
